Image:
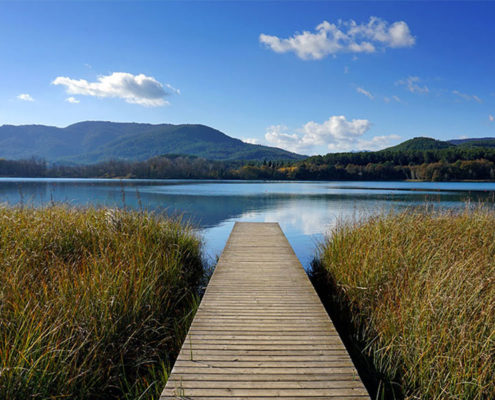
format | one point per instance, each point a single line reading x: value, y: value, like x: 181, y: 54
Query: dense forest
x: 443, y: 164
x: 90, y: 142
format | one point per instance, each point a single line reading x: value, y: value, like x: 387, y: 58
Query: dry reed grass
x: 420, y: 287
x: 94, y: 303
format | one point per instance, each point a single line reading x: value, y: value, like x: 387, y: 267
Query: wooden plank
x: 354, y: 397
x: 270, y: 357
x: 205, y: 369
x: 196, y: 347
x: 323, y: 384
x: 264, y: 364
x: 192, y: 392
x: 261, y: 331
x: 283, y: 380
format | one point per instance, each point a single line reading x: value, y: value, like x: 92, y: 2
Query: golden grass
x: 94, y: 303
x: 421, y: 290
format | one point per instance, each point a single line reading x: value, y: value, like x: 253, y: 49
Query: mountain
x: 425, y: 143
x: 420, y: 143
x: 479, y: 142
x: 94, y: 141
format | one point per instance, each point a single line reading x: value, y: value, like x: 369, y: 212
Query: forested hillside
x: 421, y: 143
x: 461, y: 162
x: 96, y: 141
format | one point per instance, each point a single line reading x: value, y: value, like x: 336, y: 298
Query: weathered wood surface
x: 261, y: 331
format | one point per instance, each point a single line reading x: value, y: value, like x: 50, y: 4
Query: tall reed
x: 94, y: 303
x: 420, y: 291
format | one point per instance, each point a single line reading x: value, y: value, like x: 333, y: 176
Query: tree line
x: 455, y: 163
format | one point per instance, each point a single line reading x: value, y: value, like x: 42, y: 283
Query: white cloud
x: 335, y: 134
x: 346, y: 70
x: 394, y: 98
x: 135, y: 89
x: 174, y: 90
x: 72, y: 100
x: 467, y: 97
x: 25, y: 97
x: 491, y: 118
x: 277, y: 135
x: 251, y: 141
x: 394, y: 35
x: 412, y: 84
x: 342, y: 37
x: 365, y: 92
x: 399, y: 35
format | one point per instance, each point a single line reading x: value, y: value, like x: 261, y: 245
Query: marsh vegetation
x: 417, y: 291
x: 95, y: 303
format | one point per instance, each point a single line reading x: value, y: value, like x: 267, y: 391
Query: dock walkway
x: 261, y: 331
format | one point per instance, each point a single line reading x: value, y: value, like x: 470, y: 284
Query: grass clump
x: 419, y: 292
x: 94, y: 303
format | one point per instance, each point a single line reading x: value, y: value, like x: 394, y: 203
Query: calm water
x: 305, y: 210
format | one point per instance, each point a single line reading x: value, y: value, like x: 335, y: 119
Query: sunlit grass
x: 420, y: 287
x: 94, y: 303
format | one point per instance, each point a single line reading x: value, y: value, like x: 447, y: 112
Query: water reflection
x: 305, y: 210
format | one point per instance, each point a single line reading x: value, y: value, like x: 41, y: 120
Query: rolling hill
x: 94, y: 141
x: 479, y: 142
x: 420, y: 143
x: 426, y: 143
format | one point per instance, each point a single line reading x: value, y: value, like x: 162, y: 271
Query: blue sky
x: 312, y: 77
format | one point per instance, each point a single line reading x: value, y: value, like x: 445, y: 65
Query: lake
x: 305, y: 210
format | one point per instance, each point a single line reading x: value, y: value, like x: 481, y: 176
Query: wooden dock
x: 261, y: 331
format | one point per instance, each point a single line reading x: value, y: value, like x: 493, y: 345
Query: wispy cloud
x: 387, y: 99
x: 72, y: 100
x: 172, y: 89
x: 412, y: 84
x: 342, y: 37
x: 491, y: 118
x: 136, y: 89
x: 25, y: 97
x: 335, y: 134
x: 365, y: 92
x: 467, y: 97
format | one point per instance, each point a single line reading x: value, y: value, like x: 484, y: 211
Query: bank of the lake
x: 414, y: 293
x: 95, y: 303
x: 305, y: 210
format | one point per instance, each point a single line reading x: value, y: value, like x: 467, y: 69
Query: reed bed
x: 94, y: 303
x: 418, y: 290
